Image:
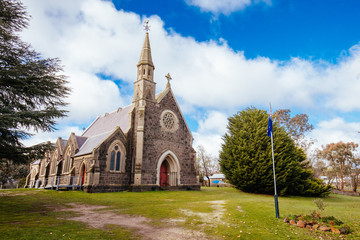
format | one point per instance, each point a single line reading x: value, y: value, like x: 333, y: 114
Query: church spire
x: 144, y: 86
x: 145, y: 57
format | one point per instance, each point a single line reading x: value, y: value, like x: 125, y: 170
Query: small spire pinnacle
x: 145, y: 57
x: 168, y: 77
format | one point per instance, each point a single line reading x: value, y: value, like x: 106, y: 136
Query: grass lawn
x: 30, y: 214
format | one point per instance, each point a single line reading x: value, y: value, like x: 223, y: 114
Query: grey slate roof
x: 80, y: 140
x: 37, y: 161
x: 101, y: 128
x: 109, y: 121
x: 91, y: 143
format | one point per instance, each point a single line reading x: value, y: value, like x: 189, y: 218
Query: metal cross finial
x: 168, y: 77
x: 146, y: 26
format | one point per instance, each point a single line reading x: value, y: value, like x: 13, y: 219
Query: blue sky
x: 224, y: 56
x: 280, y: 29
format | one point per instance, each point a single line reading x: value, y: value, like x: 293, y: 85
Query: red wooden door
x: 83, y: 176
x: 163, y: 175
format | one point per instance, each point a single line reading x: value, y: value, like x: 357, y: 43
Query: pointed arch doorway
x: 164, y: 174
x: 83, y: 174
x: 168, y: 170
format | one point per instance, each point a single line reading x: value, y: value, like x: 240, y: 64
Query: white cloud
x: 335, y: 130
x: 96, y: 38
x: 223, y: 6
x: 40, y: 137
x: 210, y: 132
x: 215, y: 122
x: 342, y: 81
x: 92, y: 37
x: 92, y: 97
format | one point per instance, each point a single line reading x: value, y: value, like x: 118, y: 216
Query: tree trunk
x: 337, y: 182
x: 208, y: 177
x: 342, y: 177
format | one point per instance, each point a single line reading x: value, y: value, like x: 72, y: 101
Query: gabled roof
x: 60, y: 145
x: 92, y: 142
x: 37, y: 161
x: 217, y: 175
x: 109, y: 122
x: 160, y: 96
x: 80, y: 140
x: 95, y: 141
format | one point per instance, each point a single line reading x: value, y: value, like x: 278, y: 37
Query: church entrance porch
x: 168, y: 170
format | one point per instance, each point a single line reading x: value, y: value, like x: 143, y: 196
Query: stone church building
x: 144, y: 146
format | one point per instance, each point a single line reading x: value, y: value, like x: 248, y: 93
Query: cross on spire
x: 168, y: 77
x: 146, y: 26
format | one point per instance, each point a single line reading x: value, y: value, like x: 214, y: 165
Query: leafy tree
x: 10, y: 172
x: 246, y: 158
x: 319, y: 168
x: 31, y: 88
x: 331, y: 174
x: 207, y: 165
x: 297, y: 127
x: 355, y: 172
x: 340, y: 155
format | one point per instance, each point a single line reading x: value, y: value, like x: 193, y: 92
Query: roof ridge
x: 90, y: 125
x: 116, y: 110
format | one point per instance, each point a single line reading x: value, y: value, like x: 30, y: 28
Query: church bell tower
x: 144, y: 87
x: 144, y: 92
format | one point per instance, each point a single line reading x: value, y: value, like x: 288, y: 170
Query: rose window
x: 168, y: 120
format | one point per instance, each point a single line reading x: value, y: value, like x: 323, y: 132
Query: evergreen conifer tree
x: 246, y: 159
x: 31, y: 88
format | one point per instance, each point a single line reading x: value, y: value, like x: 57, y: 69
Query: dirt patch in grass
x: 239, y: 209
x: 99, y: 219
x: 14, y: 193
x: 216, y: 214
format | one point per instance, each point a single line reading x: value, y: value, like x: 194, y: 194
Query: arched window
x: 116, y: 157
x: 54, y: 161
x: 33, y: 173
x: 67, y: 163
x: 112, y: 160
x: 42, y: 167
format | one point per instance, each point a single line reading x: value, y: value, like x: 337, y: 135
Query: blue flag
x: 270, y: 129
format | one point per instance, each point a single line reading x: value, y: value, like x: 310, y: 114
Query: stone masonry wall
x: 108, y: 178
x: 157, y: 141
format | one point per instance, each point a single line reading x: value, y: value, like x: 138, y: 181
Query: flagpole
x: 273, y: 162
x: 275, y: 196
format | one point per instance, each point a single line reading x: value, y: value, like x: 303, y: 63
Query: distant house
x: 215, y: 179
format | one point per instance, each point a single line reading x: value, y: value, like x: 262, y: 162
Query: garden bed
x: 325, y: 224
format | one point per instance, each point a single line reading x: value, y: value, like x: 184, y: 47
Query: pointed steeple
x: 145, y: 57
x: 144, y: 86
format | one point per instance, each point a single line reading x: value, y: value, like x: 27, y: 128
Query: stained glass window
x: 168, y: 120
x: 118, y: 161
x: 112, y: 160
x: 115, y: 159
